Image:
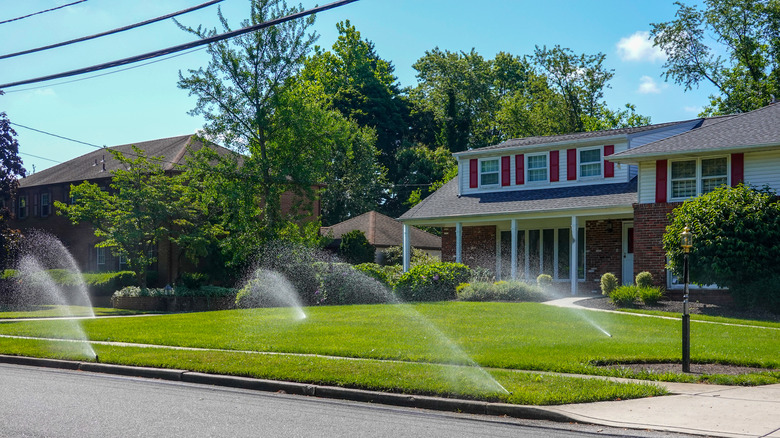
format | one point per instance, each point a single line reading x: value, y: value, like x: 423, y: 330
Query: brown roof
x: 382, y: 231
x: 99, y: 163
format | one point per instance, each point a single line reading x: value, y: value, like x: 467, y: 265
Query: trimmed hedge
x: 387, y: 275
x: 500, y: 291
x: 433, y: 282
x: 343, y: 284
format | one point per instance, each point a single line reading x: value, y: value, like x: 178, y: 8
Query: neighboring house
x: 33, y: 206
x: 382, y: 232
x: 568, y: 205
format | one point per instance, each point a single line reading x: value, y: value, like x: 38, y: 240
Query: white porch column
x: 407, y: 256
x: 458, y: 242
x: 573, y: 258
x: 514, y: 249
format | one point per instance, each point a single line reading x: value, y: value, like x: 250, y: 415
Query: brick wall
x: 479, y: 246
x: 650, y: 221
x: 603, y: 251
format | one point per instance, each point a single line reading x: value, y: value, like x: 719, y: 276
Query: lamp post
x: 686, y: 242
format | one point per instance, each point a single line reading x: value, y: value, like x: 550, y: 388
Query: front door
x: 628, y: 253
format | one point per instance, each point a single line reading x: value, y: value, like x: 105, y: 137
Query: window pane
x: 490, y: 166
x: 548, y: 251
x: 489, y: 172
x: 533, y: 253
x: 710, y: 184
x: 563, y: 253
x: 590, y: 169
x: 684, y: 188
x: 590, y: 156
x: 714, y: 167
x: 520, y: 254
x: 489, y: 179
x: 537, y: 161
x: 537, y: 175
x: 683, y: 169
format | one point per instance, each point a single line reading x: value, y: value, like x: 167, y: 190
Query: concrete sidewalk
x: 699, y: 409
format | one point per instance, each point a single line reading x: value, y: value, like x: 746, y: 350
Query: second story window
x: 537, y: 168
x: 693, y: 177
x: 590, y: 162
x: 22, y: 211
x: 488, y: 172
x: 45, y: 205
x: 714, y: 173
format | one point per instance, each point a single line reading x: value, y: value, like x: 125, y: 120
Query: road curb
x: 322, y: 391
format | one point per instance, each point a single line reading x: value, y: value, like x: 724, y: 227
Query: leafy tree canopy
x: 11, y: 169
x: 746, y: 31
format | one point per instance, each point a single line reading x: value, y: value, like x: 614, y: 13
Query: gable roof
x: 382, y: 231
x: 569, y: 138
x: 445, y: 202
x: 752, y: 130
x: 99, y: 163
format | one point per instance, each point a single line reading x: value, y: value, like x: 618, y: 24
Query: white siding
x: 763, y: 168
x: 646, y: 182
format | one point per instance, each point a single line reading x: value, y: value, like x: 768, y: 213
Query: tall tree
x: 748, y: 31
x: 245, y: 97
x: 11, y: 169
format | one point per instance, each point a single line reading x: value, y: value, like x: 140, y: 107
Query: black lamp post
x: 686, y: 242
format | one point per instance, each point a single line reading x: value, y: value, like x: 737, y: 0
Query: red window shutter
x: 571, y: 164
x: 505, y: 171
x: 737, y: 169
x: 555, y: 165
x: 520, y: 169
x: 609, y: 167
x: 660, y: 181
x: 473, y: 173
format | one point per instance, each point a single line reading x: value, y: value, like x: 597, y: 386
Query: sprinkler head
x: 97, y: 360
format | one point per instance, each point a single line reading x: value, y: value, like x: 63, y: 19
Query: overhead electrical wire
x: 40, y: 158
x: 41, y: 12
x: 110, y: 32
x: 58, y: 136
x: 181, y: 47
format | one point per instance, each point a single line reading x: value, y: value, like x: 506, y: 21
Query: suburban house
x: 33, y: 207
x: 382, y: 232
x: 576, y: 206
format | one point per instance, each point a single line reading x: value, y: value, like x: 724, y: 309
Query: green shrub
x: 483, y: 275
x: 544, y: 280
x: 267, y: 288
x: 644, y: 279
x: 499, y: 291
x: 624, y: 295
x: 193, y: 280
x: 343, y: 284
x: 609, y: 282
x: 106, y: 283
x: 204, y: 291
x: 355, y: 249
x: 135, y: 291
x: 394, y: 256
x: 387, y: 275
x: 650, y: 295
x: 299, y: 264
x: 434, y: 282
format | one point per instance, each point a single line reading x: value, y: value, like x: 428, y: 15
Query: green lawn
x: 424, y: 342
x: 49, y: 311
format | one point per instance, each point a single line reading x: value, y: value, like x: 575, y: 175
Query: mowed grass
x: 422, y: 340
x: 54, y: 311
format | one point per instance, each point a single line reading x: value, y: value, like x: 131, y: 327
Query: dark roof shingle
x: 382, y: 231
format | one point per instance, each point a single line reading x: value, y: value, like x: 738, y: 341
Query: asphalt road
x: 41, y: 402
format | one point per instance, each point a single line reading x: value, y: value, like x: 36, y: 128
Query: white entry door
x: 628, y: 253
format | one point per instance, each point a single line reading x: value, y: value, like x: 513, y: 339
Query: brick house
x: 568, y: 205
x: 33, y: 207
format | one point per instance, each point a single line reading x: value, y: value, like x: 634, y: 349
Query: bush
x: 204, y: 291
x: 394, y: 256
x: 106, y: 283
x: 267, y: 289
x: 644, y: 279
x: 482, y: 275
x: 624, y: 295
x: 650, y: 295
x: 355, y: 249
x: 499, y: 291
x: 434, y: 282
x: 387, y: 275
x: 544, y: 280
x: 135, y: 291
x: 343, y: 284
x: 298, y: 264
x: 609, y: 282
x: 193, y: 280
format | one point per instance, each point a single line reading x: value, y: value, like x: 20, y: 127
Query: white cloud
x: 647, y: 85
x: 692, y: 109
x: 44, y: 92
x: 638, y: 47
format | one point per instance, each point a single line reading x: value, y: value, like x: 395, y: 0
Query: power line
x: 110, y: 32
x: 58, y: 136
x: 40, y: 158
x: 107, y: 73
x: 41, y: 12
x: 181, y: 47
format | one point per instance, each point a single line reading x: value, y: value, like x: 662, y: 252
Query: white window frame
x: 600, y: 163
x: 497, y: 172
x: 699, y: 179
x: 45, y: 205
x: 528, y: 168
x: 100, y: 256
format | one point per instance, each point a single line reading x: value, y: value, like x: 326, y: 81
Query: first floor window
x: 45, y: 205
x: 545, y: 251
x: 488, y: 175
x: 714, y: 173
x: 22, y: 212
x: 537, y: 168
x: 698, y: 176
x: 101, y: 256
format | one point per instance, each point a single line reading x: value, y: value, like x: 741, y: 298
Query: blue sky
x: 144, y: 103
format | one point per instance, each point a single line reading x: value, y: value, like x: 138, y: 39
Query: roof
x: 571, y: 137
x: 445, y: 202
x: 752, y: 130
x: 99, y: 163
x: 382, y: 231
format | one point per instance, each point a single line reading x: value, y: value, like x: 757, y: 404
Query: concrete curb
x: 331, y: 392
